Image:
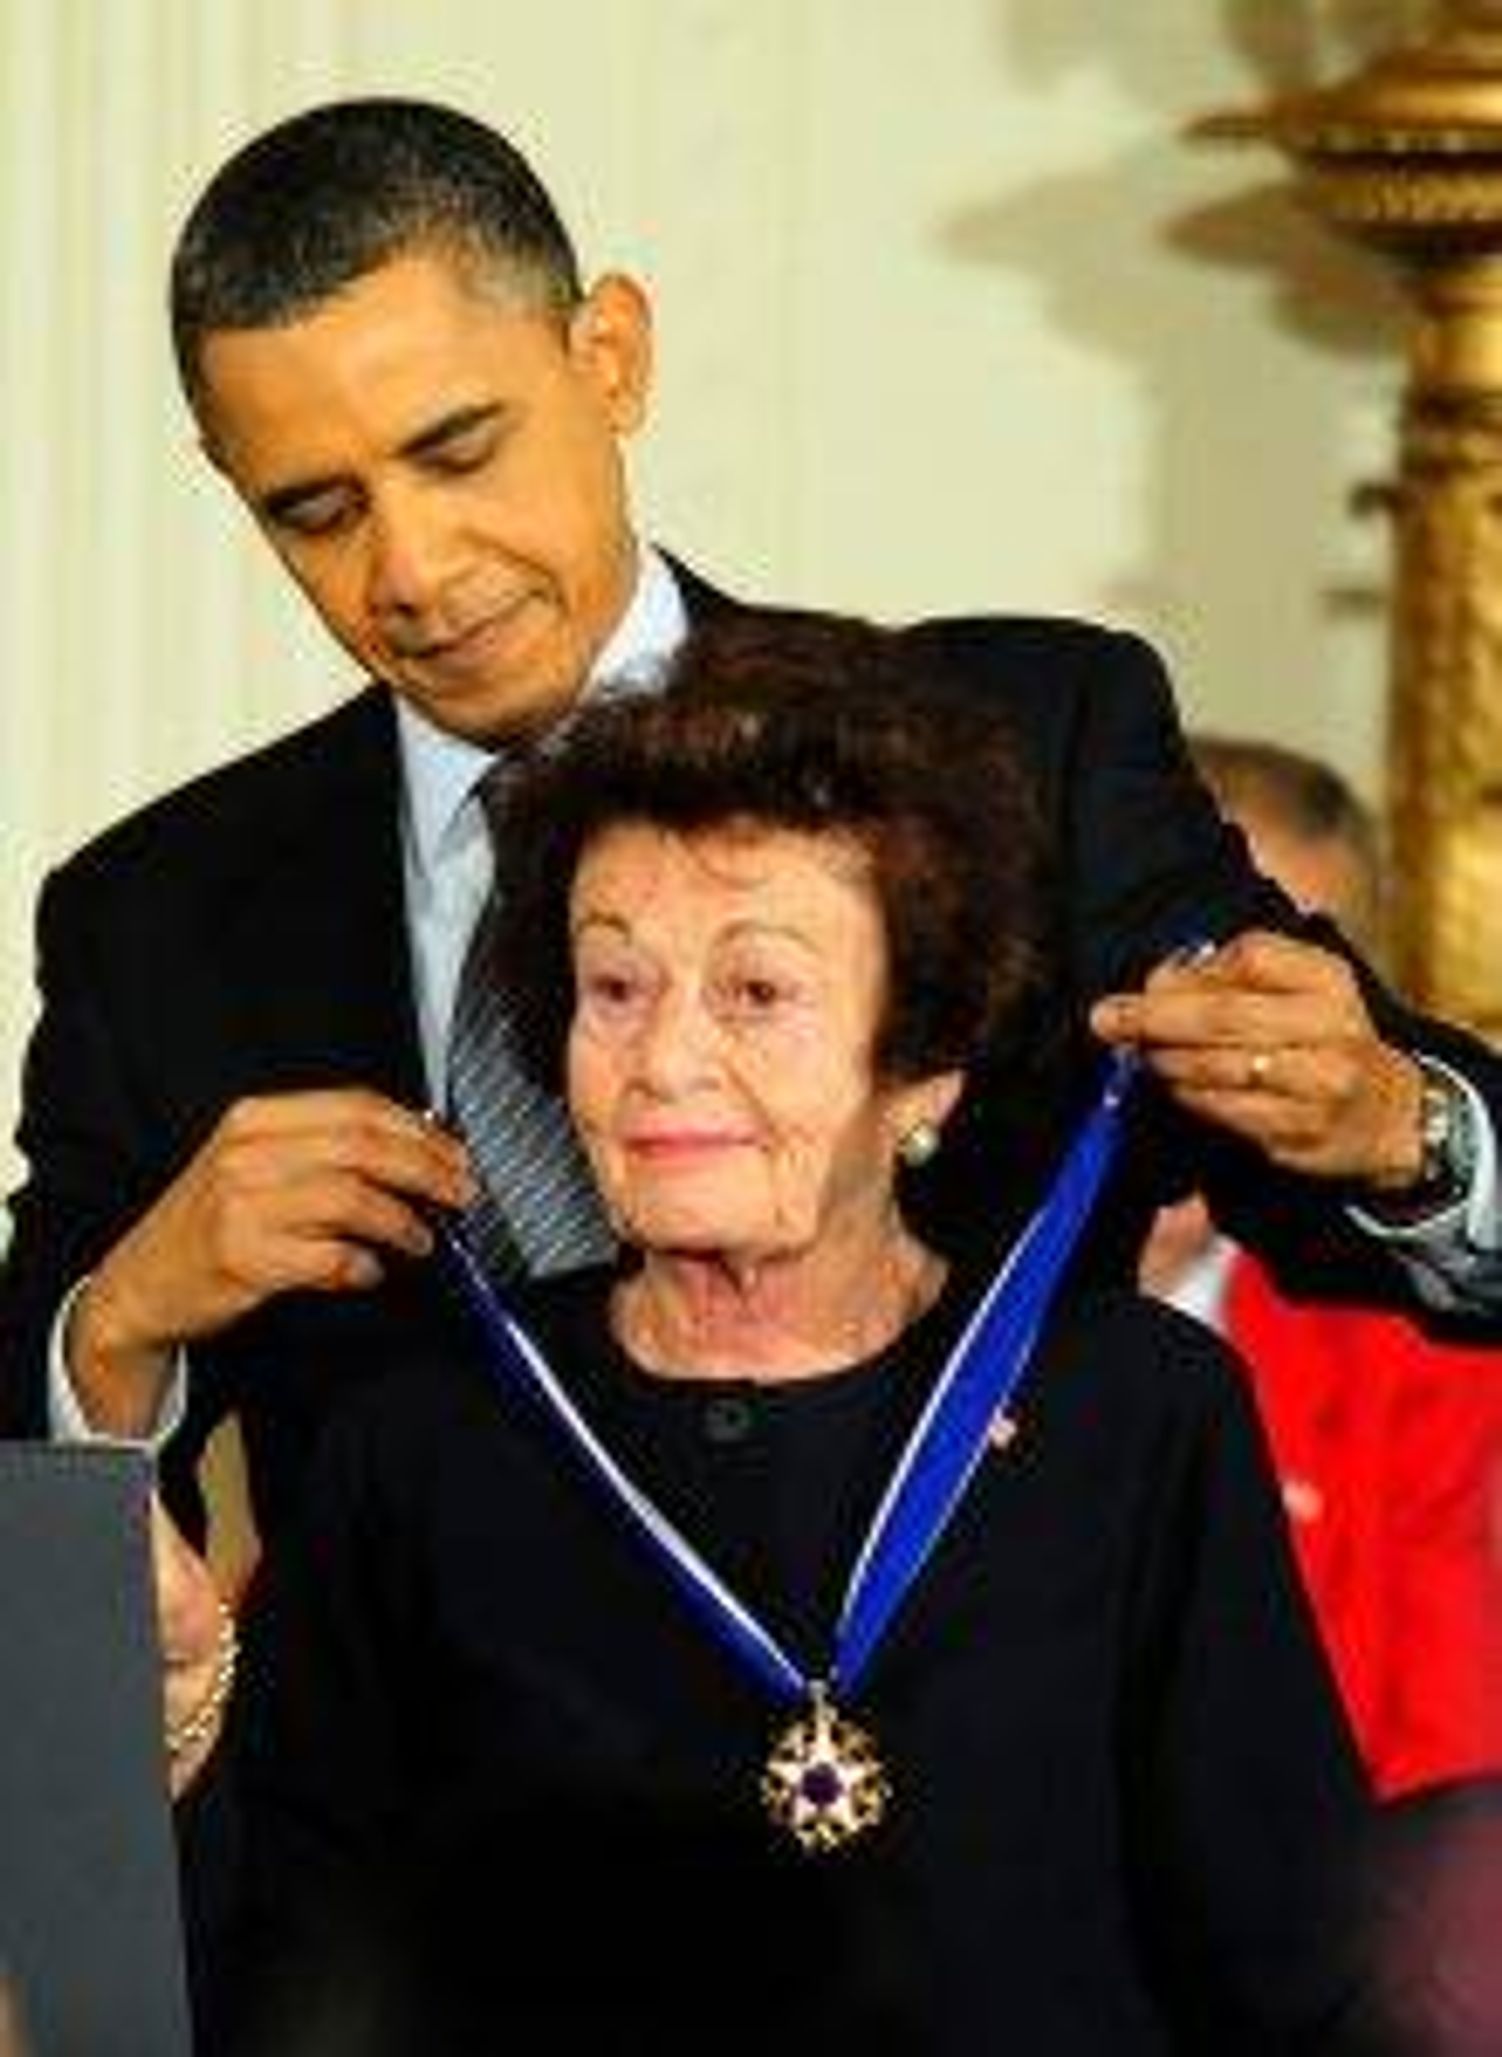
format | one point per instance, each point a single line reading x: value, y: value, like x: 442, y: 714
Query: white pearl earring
x: 919, y: 1144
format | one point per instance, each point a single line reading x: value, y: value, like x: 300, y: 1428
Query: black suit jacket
x: 246, y: 935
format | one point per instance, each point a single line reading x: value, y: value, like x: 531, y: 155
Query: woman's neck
x: 725, y: 1315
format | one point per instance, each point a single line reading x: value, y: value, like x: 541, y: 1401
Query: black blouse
x: 491, y: 1787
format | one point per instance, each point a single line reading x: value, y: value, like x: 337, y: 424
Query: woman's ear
x: 947, y: 1087
x: 610, y: 343
x: 919, y: 1112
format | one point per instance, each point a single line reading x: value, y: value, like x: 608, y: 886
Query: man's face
x: 440, y: 470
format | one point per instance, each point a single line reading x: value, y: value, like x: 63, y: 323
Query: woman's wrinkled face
x: 728, y: 989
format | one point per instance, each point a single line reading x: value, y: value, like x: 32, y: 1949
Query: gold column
x: 1407, y: 157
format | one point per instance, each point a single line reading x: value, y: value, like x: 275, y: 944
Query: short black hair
x: 819, y: 723
x: 315, y: 203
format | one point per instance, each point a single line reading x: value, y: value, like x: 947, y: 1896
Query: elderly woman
x: 649, y: 1677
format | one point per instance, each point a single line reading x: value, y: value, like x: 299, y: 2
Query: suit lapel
x: 325, y: 922
x: 700, y: 599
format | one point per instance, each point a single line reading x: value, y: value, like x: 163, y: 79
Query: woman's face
x: 728, y: 988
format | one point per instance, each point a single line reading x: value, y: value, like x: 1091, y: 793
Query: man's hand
x: 303, y: 1191
x: 1271, y: 1038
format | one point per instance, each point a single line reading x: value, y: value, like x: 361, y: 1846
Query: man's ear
x: 610, y: 342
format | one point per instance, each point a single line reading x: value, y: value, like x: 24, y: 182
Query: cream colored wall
x: 950, y: 316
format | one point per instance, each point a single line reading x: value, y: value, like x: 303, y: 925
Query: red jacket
x: 1389, y: 1447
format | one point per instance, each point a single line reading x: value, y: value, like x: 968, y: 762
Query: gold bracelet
x: 187, y: 1735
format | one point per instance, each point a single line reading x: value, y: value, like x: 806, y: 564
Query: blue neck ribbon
x: 980, y: 1377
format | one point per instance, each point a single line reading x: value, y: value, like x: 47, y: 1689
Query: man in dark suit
x: 248, y: 987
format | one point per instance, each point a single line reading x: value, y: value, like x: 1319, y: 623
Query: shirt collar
x: 439, y: 771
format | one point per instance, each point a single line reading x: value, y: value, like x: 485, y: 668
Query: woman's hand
x: 199, y: 1649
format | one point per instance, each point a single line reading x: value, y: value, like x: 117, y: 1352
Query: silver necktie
x: 538, y: 1211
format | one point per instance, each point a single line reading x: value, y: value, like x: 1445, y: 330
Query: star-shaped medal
x: 824, y: 1782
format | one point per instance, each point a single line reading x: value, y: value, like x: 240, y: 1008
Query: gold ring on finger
x: 1259, y: 1067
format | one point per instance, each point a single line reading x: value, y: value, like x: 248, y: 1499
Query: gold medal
x: 824, y: 1781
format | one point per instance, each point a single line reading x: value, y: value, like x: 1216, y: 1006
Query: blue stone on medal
x: 824, y: 1781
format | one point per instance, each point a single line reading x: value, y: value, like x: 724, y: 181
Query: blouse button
x: 728, y: 1418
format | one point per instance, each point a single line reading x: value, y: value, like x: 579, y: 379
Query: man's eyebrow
x: 451, y: 426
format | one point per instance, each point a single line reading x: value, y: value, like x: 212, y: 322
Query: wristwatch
x: 1447, y: 1141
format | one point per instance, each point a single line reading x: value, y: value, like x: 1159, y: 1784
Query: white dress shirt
x: 446, y: 855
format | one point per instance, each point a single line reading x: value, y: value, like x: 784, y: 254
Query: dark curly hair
x: 814, y: 723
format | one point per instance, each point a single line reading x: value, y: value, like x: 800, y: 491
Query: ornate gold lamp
x: 1406, y: 156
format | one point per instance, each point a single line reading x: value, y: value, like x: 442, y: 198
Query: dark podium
x: 90, y: 1949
